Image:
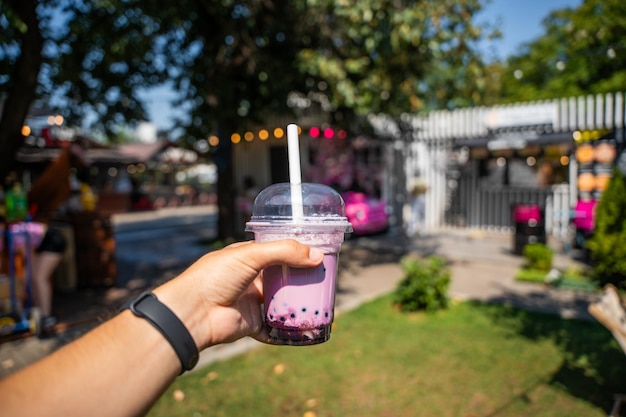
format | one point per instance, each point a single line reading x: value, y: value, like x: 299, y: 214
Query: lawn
x: 570, y: 279
x: 470, y: 360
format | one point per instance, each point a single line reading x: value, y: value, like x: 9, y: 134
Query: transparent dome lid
x: 321, y: 206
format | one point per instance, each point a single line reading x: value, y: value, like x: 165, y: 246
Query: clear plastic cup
x: 299, y: 303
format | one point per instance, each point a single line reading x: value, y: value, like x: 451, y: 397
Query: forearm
x: 121, y: 367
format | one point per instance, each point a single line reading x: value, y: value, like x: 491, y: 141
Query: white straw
x: 295, y: 177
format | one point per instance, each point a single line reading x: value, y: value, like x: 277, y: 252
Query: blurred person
x: 417, y: 221
x: 245, y: 201
x: 51, y: 193
x: 123, y: 366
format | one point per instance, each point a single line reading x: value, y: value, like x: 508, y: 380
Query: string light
x: 279, y: 133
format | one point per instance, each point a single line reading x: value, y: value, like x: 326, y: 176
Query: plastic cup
x: 299, y: 303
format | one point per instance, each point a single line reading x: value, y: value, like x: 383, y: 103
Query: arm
x: 123, y: 366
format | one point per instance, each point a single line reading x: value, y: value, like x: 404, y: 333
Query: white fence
x: 433, y: 136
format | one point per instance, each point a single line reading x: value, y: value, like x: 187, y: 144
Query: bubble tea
x: 299, y: 302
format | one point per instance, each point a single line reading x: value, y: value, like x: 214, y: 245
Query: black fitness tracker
x: 148, y: 306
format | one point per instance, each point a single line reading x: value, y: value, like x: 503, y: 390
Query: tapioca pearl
x: 326, y: 314
x: 292, y: 315
x: 304, y: 309
x: 283, y: 318
x: 317, y: 312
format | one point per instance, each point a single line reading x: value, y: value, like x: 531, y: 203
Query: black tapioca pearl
x: 271, y: 317
x: 326, y: 314
x: 317, y: 312
x: 283, y: 318
x: 304, y: 309
x: 292, y: 315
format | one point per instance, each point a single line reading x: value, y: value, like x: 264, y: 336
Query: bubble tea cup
x: 299, y: 302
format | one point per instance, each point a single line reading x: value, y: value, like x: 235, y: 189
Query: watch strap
x: 148, y: 307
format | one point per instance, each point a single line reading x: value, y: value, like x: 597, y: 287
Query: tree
x: 22, y: 41
x: 395, y: 56
x: 90, y: 58
x: 238, y: 66
x: 231, y: 61
x: 235, y: 62
x: 582, y: 51
x: 606, y: 246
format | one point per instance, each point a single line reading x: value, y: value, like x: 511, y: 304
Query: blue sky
x: 519, y: 21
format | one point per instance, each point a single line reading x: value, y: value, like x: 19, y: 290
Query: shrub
x: 607, y: 246
x: 424, y: 286
x: 538, y: 256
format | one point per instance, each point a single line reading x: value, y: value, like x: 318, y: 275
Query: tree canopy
x: 233, y: 62
x: 395, y: 56
x: 582, y: 51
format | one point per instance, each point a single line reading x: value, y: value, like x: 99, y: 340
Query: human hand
x: 219, y: 297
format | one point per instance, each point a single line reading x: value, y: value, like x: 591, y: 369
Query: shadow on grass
x: 594, y: 365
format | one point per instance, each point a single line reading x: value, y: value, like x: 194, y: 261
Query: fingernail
x: 315, y: 254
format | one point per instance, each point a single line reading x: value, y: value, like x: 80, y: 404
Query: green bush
x: 424, y: 286
x: 538, y: 257
x: 607, y: 246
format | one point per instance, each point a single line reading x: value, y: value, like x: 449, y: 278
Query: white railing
x: 434, y: 134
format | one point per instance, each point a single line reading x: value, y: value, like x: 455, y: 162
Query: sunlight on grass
x: 470, y: 360
x: 571, y: 278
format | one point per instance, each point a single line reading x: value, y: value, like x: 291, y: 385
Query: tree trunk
x: 223, y: 159
x: 23, y: 85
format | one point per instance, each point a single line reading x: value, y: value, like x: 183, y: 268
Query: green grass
x: 569, y: 279
x: 470, y: 360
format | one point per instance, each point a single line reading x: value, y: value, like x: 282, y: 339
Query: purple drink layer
x: 299, y: 302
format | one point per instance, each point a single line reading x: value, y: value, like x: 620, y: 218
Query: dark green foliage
x: 424, y: 286
x: 566, y: 60
x: 608, y: 244
x: 538, y: 257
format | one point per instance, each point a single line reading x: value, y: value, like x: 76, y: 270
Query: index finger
x: 259, y: 255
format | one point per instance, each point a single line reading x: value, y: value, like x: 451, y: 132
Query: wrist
x: 148, y: 307
x: 189, y: 309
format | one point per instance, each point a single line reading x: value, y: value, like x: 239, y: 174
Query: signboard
x: 541, y: 114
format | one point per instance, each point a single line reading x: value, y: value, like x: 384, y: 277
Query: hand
x: 219, y: 297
